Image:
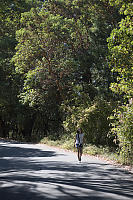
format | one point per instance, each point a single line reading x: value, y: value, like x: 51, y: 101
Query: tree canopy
x: 66, y: 64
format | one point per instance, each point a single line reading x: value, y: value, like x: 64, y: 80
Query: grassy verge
x: 89, y: 149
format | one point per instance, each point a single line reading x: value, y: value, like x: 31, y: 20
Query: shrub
x: 94, y: 121
x: 122, y: 128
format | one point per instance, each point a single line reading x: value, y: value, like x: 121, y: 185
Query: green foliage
x: 43, y: 64
x: 122, y: 124
x: 61, y: 47
x: 121, y: 52
x: 120, y: 45
x: 61, y: 60
x: 93, y: 118
x: 12, y: 113
x: 61, y: 73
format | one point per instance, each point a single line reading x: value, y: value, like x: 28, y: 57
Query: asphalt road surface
x: 39, y: 172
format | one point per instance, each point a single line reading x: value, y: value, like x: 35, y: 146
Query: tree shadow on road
x: 6, y: 150
x: 29, y: 179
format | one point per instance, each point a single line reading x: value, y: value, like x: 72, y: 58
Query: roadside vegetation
x: 103, y: 152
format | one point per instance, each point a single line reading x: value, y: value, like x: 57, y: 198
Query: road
x: 39, y: 172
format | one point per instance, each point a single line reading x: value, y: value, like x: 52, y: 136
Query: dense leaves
x: 121, y: 61
x: 11, y: 111
x: 120, y: 46
x: 59, y: 71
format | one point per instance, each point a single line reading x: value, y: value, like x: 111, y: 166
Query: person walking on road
x: 79, y: 142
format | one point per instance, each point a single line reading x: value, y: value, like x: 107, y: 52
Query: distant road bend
x: 39, y: 172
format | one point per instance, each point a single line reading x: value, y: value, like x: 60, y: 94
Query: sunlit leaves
x: 121, y: 62
x: 120, y: 45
